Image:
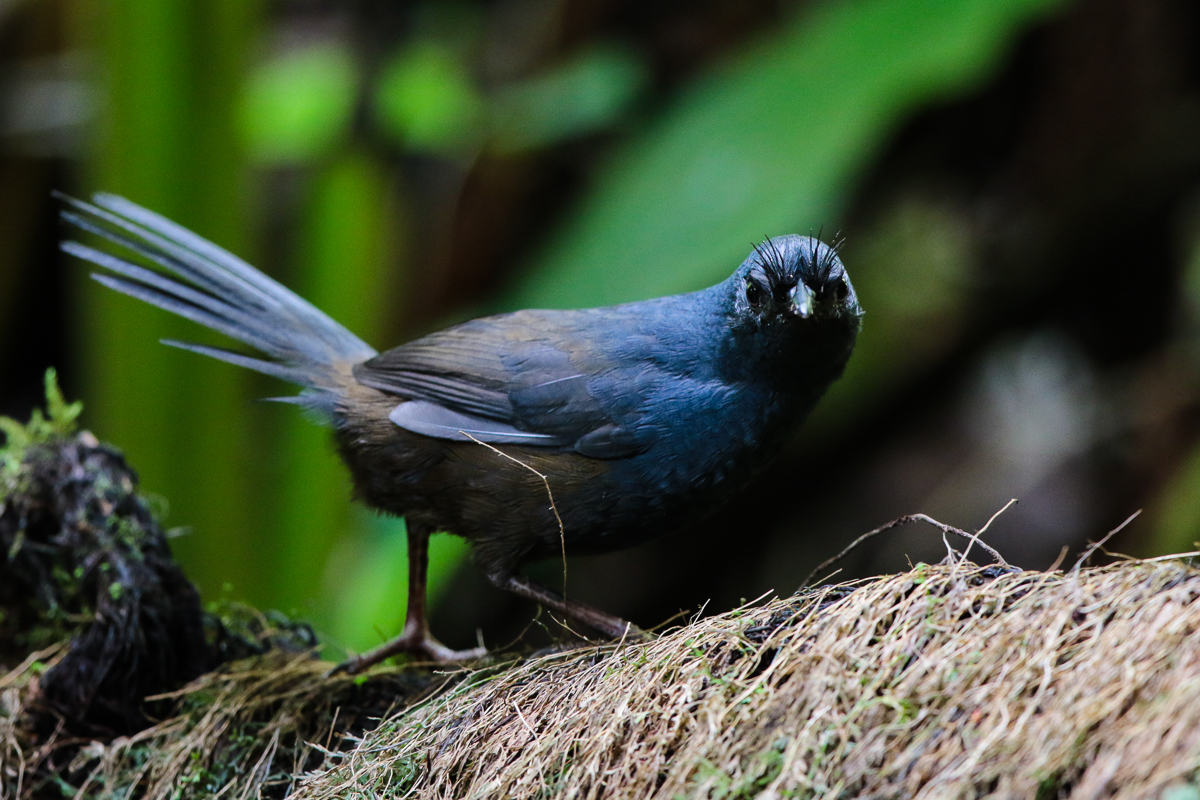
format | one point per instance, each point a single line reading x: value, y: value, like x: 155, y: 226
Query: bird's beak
x: 802, y: 300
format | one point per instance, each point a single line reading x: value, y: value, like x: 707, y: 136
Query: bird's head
x: 793, y: 316
x: 792, y: 278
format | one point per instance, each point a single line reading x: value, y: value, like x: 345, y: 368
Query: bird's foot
x: 419, y: 644
x: 600, y: 621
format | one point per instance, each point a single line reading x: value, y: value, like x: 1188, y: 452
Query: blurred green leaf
x: 770, y: 144
x: 426, y: 100
x: 298, y: 106
x: 585, y: 94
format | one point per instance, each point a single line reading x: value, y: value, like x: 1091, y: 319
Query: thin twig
x: 992, y: 519
x: 1091, y: 550
x: 850, y: 547
x: 991, y: 551
x: 624, y: 635
x: 950, y: 552
x: 837, y: 571
x: 896, y: 523
x: 562, y: 533
x: 975, y: 536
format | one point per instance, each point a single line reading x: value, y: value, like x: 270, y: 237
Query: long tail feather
x: 216, y: 289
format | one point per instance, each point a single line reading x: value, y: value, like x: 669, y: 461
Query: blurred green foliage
x: 427, y: 101
x: 913, y: 270
x: 767, y: 144
x: 771, y: 141
x: 1178, y: 529
x: 367, y: 576
x: 586, y: 93
x: 344, y: 254
x: 169, y: 139
x: 298, y: 106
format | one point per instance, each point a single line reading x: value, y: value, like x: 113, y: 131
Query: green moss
x: 58, y: 421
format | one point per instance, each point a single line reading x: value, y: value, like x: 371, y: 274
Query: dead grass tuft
x: 244, y: 732
x: 249, y: 730
x: 944, y: 682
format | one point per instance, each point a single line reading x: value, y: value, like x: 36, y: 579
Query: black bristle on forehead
x: 826, y: 258
x: 816, y: 260
x: 773, y: 262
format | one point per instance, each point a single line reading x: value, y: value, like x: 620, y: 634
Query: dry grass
x: 249, y: 730
x: 943, y: 682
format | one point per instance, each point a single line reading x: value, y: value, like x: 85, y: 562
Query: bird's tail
x: 295, y: 341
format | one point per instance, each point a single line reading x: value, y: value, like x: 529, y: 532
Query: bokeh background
x: 1017, y: 183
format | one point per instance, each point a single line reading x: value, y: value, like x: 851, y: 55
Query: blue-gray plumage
x: 641, y: 416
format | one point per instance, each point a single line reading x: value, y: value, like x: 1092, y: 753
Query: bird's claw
x: 423, y: 647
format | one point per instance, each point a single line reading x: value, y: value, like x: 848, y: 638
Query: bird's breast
x: 703, y: 450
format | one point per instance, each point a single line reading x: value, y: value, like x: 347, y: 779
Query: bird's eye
x: 841, y: 289
x: 754, y: 294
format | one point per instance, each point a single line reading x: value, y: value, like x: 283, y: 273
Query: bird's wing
x: 523, y: 378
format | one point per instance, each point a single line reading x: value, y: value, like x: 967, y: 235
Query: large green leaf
x: 770, y: 144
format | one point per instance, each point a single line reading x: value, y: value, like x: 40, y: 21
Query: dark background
x: 1017, y: 185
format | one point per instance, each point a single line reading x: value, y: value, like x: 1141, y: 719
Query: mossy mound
x: 948, y: 681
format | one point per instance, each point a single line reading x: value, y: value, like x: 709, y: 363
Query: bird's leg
x: 611, y: 626
x: 415, y: 638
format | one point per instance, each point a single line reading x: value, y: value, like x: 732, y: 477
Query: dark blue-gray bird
x: 529, y: 433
